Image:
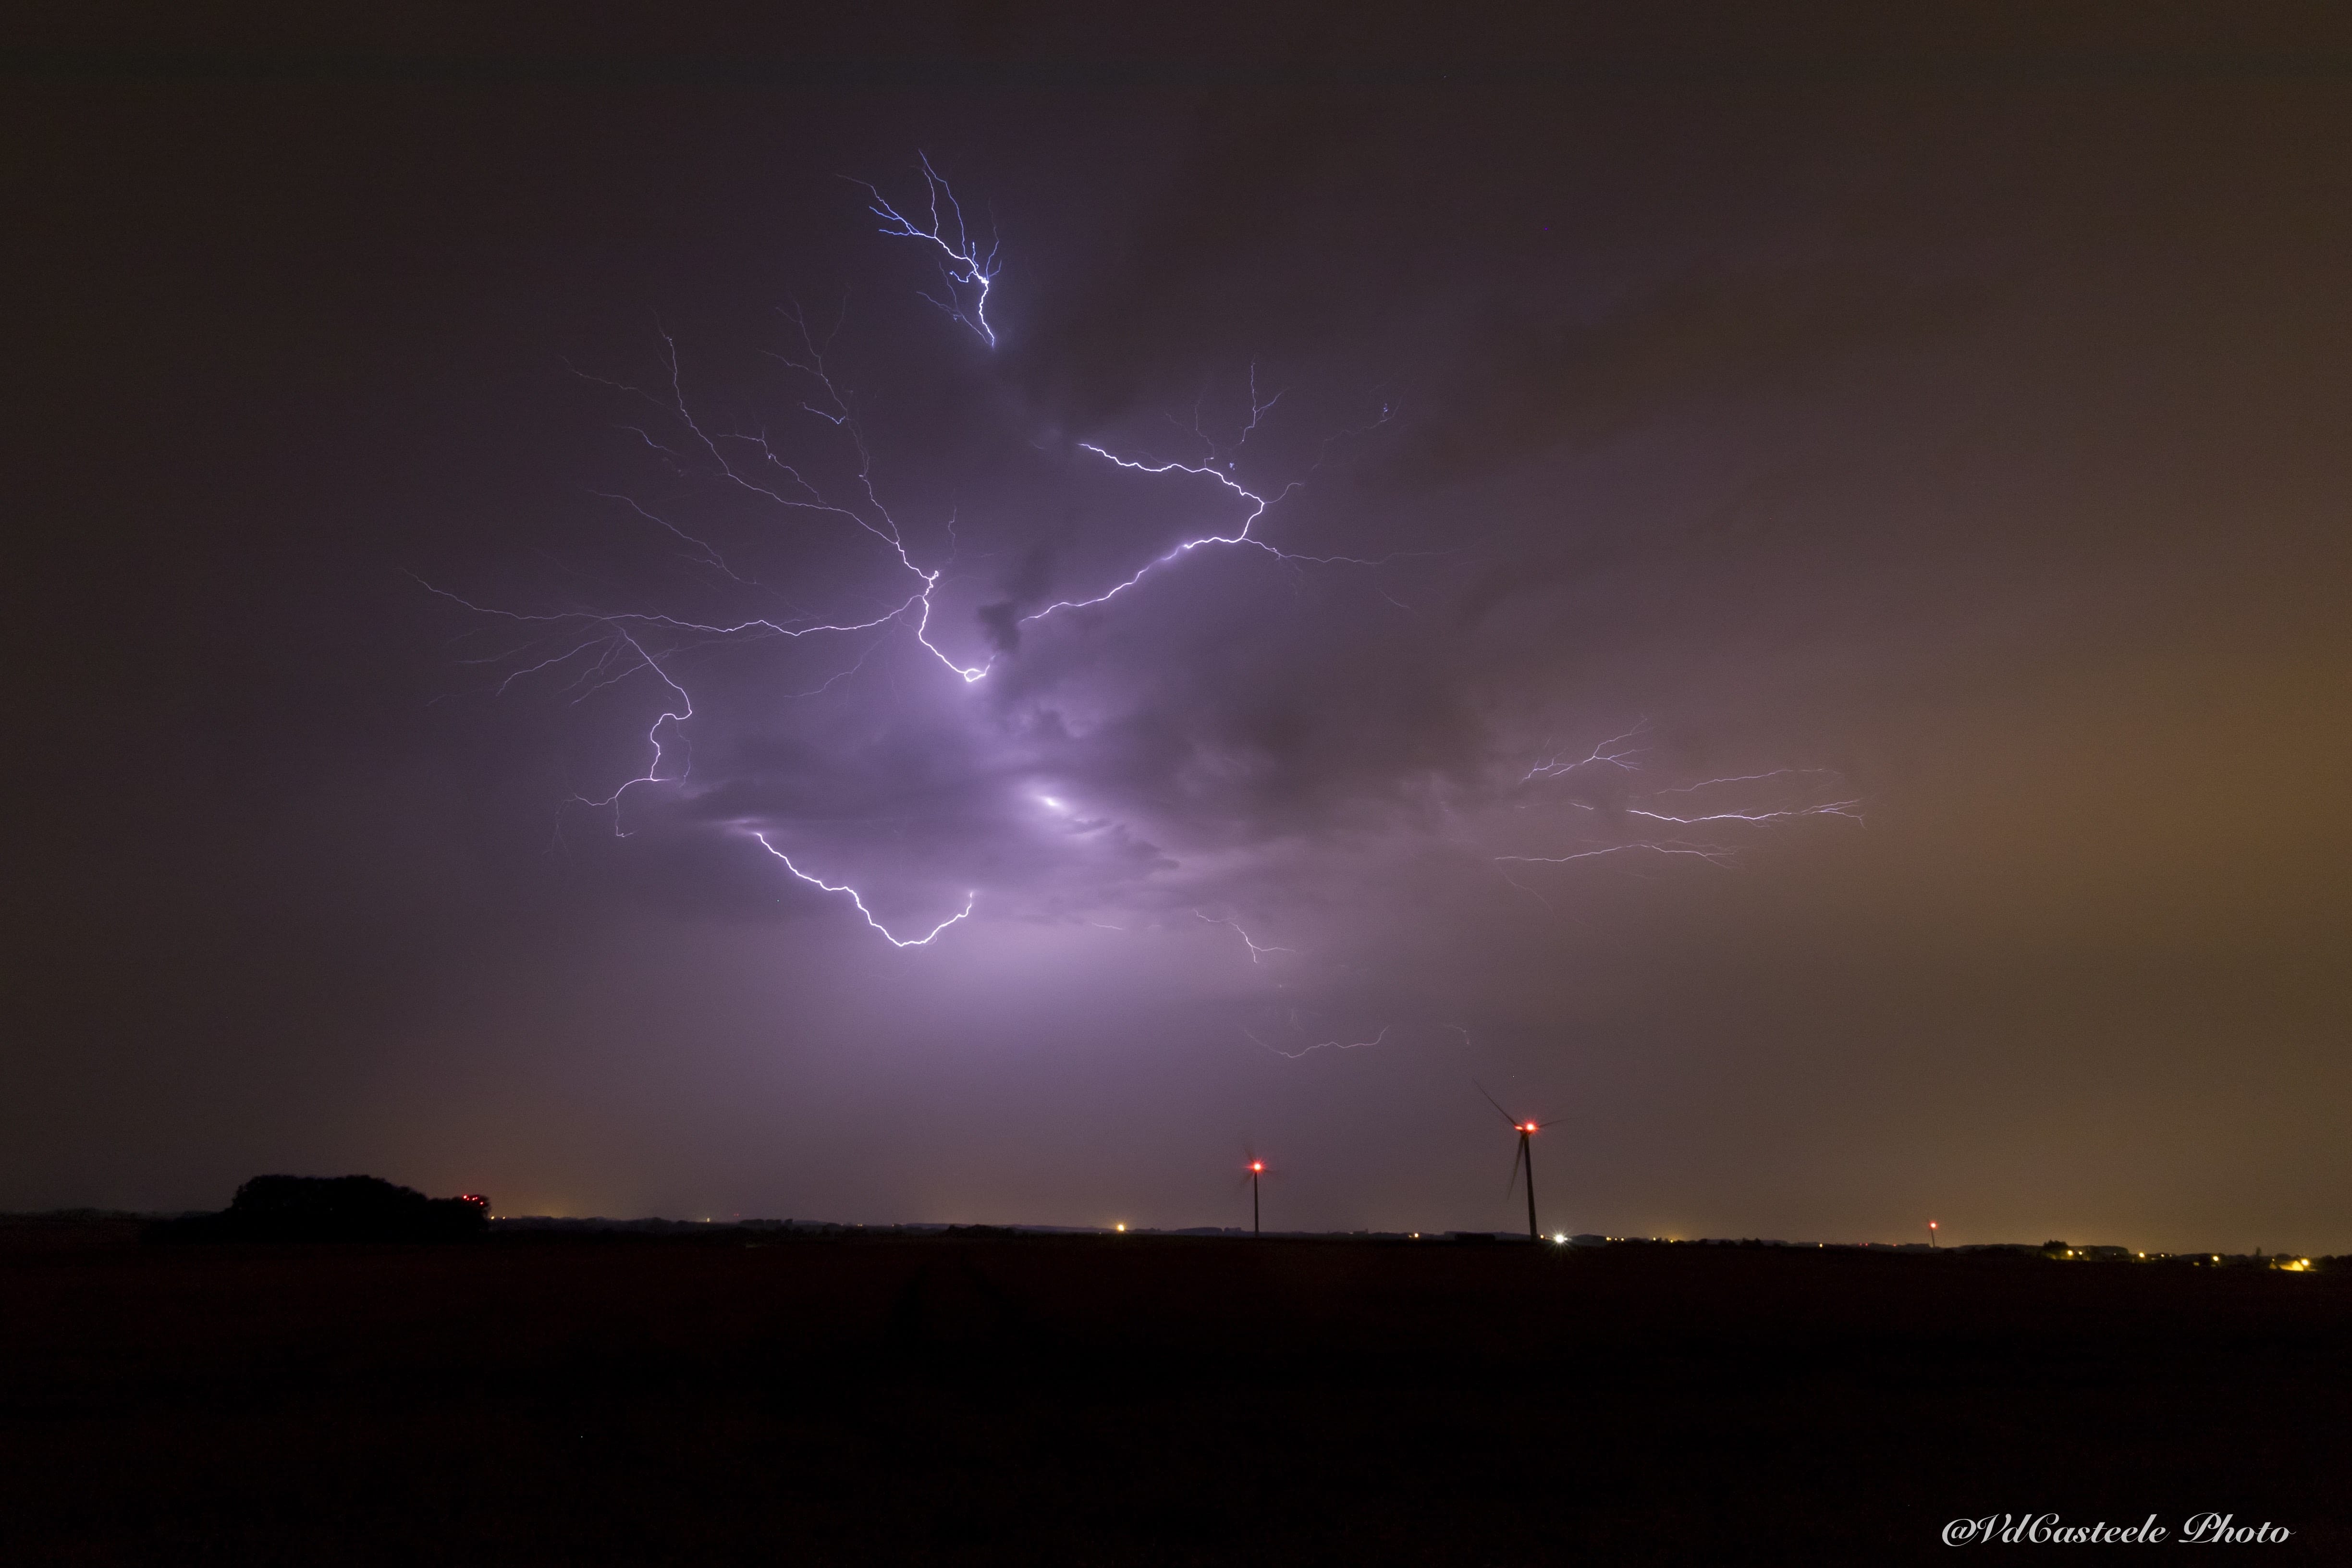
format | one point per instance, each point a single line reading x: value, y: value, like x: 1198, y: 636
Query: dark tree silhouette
x: 332, y: 1208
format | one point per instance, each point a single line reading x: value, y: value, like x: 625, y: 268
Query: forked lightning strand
x: 606, y: 645
x: 923, y: 940
x: 1258, y: 950
x: 1615, y: 752
x: 965, y: 269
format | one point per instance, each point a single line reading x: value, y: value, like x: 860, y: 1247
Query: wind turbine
x: 1526, y: 1157
x: 1252, y: 1172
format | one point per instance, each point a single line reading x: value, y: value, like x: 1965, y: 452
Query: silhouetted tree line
x: 331, y: 1208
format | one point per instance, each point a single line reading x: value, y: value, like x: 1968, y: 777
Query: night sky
x: 1938, y: 432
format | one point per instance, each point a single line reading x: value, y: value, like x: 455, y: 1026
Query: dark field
x: 734, y: 1397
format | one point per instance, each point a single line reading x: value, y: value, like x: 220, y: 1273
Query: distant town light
x: 1120, y: 1226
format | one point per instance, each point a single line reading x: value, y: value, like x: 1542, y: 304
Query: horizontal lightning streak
x: 1748, y: 778
x: 1845, y: 808
x: 1319, y: 1046
x: 614, y: 619
x: 1616, y: 752
x: 1714, y: 854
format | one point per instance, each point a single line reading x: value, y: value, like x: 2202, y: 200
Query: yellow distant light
x: 1120, y: 1226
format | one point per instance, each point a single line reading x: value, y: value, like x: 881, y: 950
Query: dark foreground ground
x: 725, y: 1398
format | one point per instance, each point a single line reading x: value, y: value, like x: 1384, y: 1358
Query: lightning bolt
x: 653, y: 736
x: 963, y: 268
x: 971, y: 900
x: 1318, y: 1045
x: 1611, y: 753
x: 605, y: 645
x: 1713, y: 854
x: 1258, y: 950
x: 773, y: 469
x: 1748, y: 778
x: 1845, y: 808
x: 1617, y: 752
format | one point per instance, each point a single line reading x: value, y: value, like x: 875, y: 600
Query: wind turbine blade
x: 1509, y: 1119
x: 1517, y: 1154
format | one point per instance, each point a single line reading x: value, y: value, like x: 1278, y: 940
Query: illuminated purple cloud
x: 1204, y: 719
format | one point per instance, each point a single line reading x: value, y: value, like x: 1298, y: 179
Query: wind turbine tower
x: 1525, y: 1159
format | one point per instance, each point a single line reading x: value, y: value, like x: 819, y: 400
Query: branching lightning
x: 965, y: 269
x: 1617, y: 752
x: 775, y: 470
x: 652, y: 736
x: 1258, y: 950
x: 610, y: 645
x: 1611, y: 753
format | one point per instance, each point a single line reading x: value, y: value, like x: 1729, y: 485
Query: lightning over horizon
x: 934, y: 616
x: 773, y: 469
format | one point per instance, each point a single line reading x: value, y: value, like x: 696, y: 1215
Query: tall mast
x: 1527, y: 1152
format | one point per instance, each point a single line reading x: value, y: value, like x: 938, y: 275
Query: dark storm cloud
x: 1233, y: 705
x: 1256, y: 707
x: 1189, y: 294
x: 1025, y: 589
x: 1231, y: 697
x: 1528, y: 382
